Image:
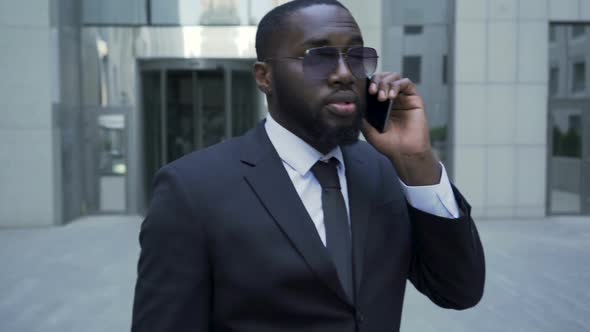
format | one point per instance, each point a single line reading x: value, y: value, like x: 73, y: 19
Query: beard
x: 327, y: 135
x: 312, y: 121
x: 309, y: 121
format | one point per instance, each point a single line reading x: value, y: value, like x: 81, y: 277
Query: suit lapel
x: 268, y: 178
x: 361, y: 188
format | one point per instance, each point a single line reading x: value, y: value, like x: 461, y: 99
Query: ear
x: 263, y: 76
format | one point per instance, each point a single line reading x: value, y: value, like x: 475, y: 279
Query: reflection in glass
x: 579, y: 77
x: 554, y: 81
x: 180, y: 109
x: 184, y: 109
x: 112, y: 163
x: 220, y: 12
x: 112, y: 140
x: 176, y: 12
x: 569, y: 121
x: 567, y: 140
x: 578, y: 31
x: 565, y: 162
x: 259, y: 8
x: 244, y: 92
x: 151, y: 85
x: 213, y: 89
x: 199, y: 12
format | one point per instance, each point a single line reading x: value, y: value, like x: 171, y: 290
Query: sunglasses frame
x: 344, y: 54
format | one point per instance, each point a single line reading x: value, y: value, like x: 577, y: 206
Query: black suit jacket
x: 227, y: 245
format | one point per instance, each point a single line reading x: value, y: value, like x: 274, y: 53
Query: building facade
x: 98, y: 95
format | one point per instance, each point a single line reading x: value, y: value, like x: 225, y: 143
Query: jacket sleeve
x: 448, y: 263
x: 173, y: 286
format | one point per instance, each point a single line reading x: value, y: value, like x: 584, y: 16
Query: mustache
x: 342, y: 96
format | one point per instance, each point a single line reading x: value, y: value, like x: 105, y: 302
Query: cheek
x: 288, y: 80
x: 298, y: 93
x: 313, y: 98
x: 307, y: 93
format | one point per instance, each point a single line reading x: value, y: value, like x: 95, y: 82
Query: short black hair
x: 274, y: 19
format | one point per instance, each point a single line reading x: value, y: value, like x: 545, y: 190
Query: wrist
x: 420, y: 169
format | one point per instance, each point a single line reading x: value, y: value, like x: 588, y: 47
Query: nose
x: 342, y: 75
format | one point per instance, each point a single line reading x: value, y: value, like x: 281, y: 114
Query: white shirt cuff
x: 437, y: 199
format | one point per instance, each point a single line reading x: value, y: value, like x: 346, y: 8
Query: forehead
x: 320, y: 25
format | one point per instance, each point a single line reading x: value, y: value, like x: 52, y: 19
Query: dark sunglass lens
x: 362, y: 61
x: 320, y: 62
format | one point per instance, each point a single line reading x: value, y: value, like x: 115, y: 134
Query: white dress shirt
x: 298, y: 157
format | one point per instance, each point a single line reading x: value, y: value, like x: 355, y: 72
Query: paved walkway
x: 80, y: 278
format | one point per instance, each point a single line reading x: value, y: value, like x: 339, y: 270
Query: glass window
x: 412, y: 67
x: 554, y: 81
x: 111, y: 161
x: 575, y: 123
x: 413, y: 29
x: 199, y: 12
x: 567, y: 142
x: 579, y: 77
x: 445, y: 69
x: 223, y: 12
x: 244, y: 93
x: 177, y: 12
x: 112, y: 141
x: 569, y: 123
x: 552, y: 33
x: 259, y: 8
x: 578, y: 31
x: 566, y: 163
x: 114, y: 12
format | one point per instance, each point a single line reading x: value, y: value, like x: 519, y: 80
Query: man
x: 298, y: 226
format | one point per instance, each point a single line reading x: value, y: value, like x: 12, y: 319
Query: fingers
x: 382, y: 85
x: 390, y: 85
x: 404, y: 86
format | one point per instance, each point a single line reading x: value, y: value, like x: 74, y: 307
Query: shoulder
x: 204, y: 173
x: 209, y: 161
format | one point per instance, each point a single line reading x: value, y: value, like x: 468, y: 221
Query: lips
x: 342, y: 109
x: 342, y: 103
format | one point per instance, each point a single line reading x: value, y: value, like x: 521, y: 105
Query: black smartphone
x: 377, y: 112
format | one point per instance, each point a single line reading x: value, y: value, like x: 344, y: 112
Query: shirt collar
x: 294, y: 151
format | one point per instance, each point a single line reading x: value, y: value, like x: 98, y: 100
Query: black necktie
x: 336, y: 221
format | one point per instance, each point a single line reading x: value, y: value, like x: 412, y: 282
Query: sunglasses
x: 321, y: 62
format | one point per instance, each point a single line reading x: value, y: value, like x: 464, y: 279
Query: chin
x: 340, y: 135
x: 330, y: 131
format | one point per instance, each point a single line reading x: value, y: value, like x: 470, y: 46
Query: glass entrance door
x: 569, y: 159
x: 188, y: 106
x: 569, y: 120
